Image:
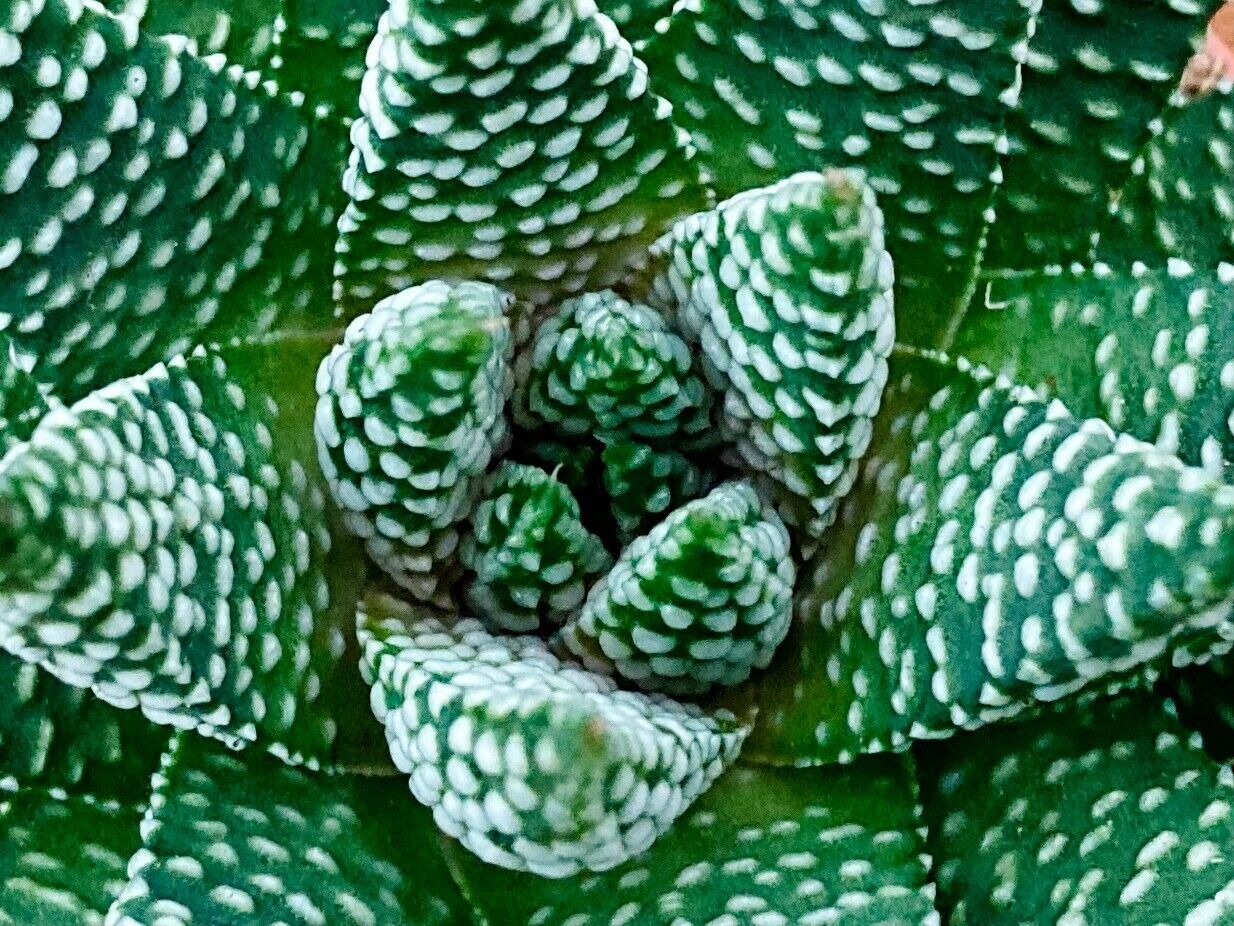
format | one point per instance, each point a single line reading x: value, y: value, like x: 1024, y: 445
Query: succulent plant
x: 341, y: 340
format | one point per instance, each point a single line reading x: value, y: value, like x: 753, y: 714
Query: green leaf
x: 645, y: 484
x: 322, y: 50
x: 532, y: 764
x: 996, y: 552
x: 53, y: 735
x: 1179, y: 201
x: 62, y: 857
x: 233, y: 840
x: 1093, y: 78
x: 637, y: 18
x: 912, y: 93
x: 129, y: 166
x: 528, y: 556
x: 411, y: 412
x: 838, y: 846
x: 247, y: 33
x: 1147, y: 349
x: 605, y: 368
x: 787, y: 291
x: 702, y: 600
x: 1108, y: 812
x: 164, y: 543
x: 522, y: 148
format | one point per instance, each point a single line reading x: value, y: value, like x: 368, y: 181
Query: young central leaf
x: 528, y: 556
x: 411, y: 411
x: 644, y: 484
x: 605, y: 368
x: 788, y: 292
x: 161, y: 542
x: 702, y: 600
x: 997, y: 551
x: 533, y: 765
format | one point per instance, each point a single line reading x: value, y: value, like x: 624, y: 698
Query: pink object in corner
x: 1220, y: 40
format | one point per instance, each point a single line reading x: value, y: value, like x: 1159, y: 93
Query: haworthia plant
x: 605, y: 368
x: 644, y: 484
x: 837, y: 845
x: 529, y: 559
x: 237, y: 839
x: 787, y: 292
x: 637, y: 18
x: 165, y: 544
x: 520, y: 145
x: 531, y: 764
x: 1107, y: 810
x: 996, y: 551
x: 411, y: 411
x: 915, y: 94
x: 701, y: 601
x: 125, y: 164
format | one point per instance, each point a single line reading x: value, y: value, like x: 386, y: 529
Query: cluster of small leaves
x: 968, y: 548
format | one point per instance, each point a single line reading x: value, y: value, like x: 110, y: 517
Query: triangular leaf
x: 521, y: 147
x: 996, y: 552
x: 1106, y: 812
x: 837, y: 846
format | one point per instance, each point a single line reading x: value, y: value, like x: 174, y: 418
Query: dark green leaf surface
x: 645, y: 484
x: 322, y: 49
x: 837, y: 846
x: 1094, y: 76
x: 1104, y: 812
x: 234, y: 840
x: 532, y: 764
x: 913, y: 93
x: 637, y: 18
x: 127, y: 167
x: 164, y: 542
x: 522, y: 148
x: 62, y: 858
x: 996, y: 552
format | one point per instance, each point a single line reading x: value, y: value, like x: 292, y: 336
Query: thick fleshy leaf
x: 129, y: 164
x: 233, y: 840
x: 529, y: 559
x: 996, y: 552
x: 645, y: 484
x: 411, y: 412
x: 1106, y: 812
x: 1149, y: 350
x: 165, y: 542
x: 605, y: 368
x: 63, y: 857
x: 787, y: 291
x: 1179, y: 202
x: 835, y: 846
x: 1094, y: 77
x: 532, y: 764
x: 514, y: 143
x: 22, y: 402
x: 913, y: 93
x: 702, y: 600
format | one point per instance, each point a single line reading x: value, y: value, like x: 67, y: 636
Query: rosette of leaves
x: 787, y: 293
x: 702, y: 600
x: 644, y: 484
x: 411, y: 412
x: 606, y: 368
x: 519, y: 145
x: 528, y: 557
x: 531, y: 764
